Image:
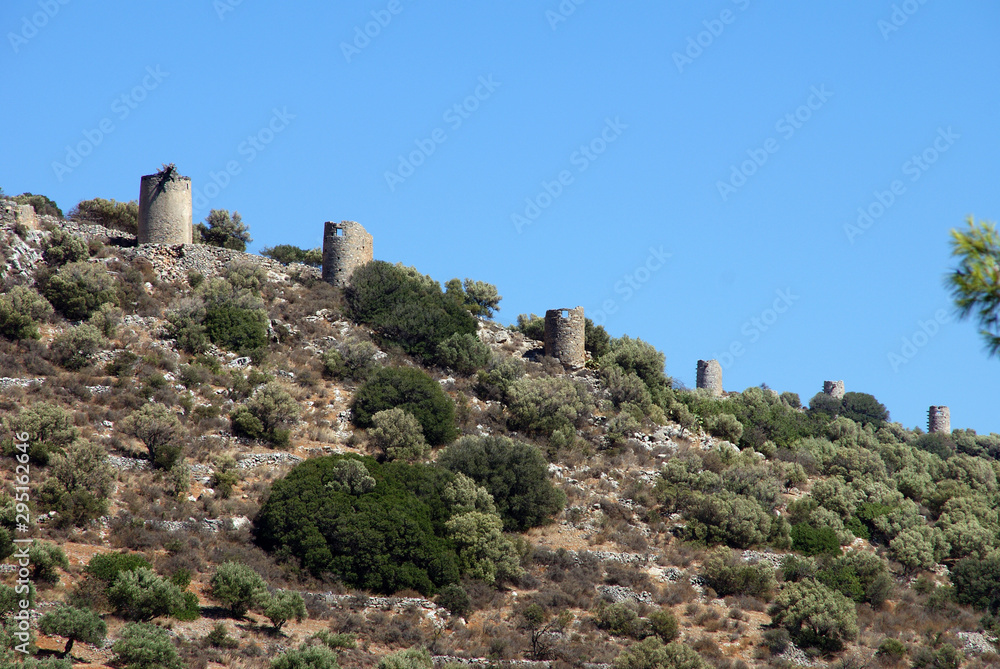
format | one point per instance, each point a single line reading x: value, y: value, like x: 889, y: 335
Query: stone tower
x: 165, y: 208
x: 564, y: 336
x: 710, y: 376
x: 346, y: 246
x: 939, y: 420
x: 834, y: 389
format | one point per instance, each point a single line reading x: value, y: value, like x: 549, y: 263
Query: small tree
x: 238, y: 587
x: 282, y: 606
x: 74, y: 348
x: 145, y: 646
x: 77, y: 289
x: 64, y: 247
x: 973, y: 283
x: 223, y: 230
x: 45, y: 558
x: 159, y: 429
x: 815, y: 614
x: 541, y: 627
x: 268, y: 414
x: 75, y: 625
x: 415, y: 392
x: 464, y: 353
x: 21, y: 309
x: 307, y: 657
x: 397, y: 435
x: 141, y: 594
x: 651, y: 653
x: 122, y: 216
x: 79, y: 484
x: 481, y: 298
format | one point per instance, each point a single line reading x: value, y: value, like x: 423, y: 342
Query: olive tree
x: 74, y: 625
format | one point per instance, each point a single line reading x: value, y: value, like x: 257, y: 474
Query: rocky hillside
x: 223, y: 461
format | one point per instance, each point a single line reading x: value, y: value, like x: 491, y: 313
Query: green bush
x: 621, y: 620
x: 45, y: 558
x: 945, y: 656
x: 122, y: 216
x: 547, y: 404
x: 377, y: 527
x: 891, y: 650
x: 49, y: 427
x: 532, y: 327
x: 396, y: 435
x: 405, y: 307
x: 652, y: 653
x: 140, y: 594
x: 145, y: 646
x: 286, y: 253
x: 664, y: 625
x: 21, y: 308
x: 106, y: 566
x: 815, y: 615
x: 725, y: 426
x: 221, y: 229
x: 306, y: 657
x: 513, y: 472
x: 863, y: 408
x: 235, y: 328
x: 815, y: 540
x: 78, y: 289
x: 76, y: 347
x: 106, y: 319
x: 977, y: 583
x: 79, y: 484
x: 42, y: 205
x: 464, y: 353
x: 238, y: 587
x: 939, y: 444
x: 727, y: 574
x: 635, y: 355
x: 413, y: 391
x: 454, y: 598
x: 63, y: 247
x: 410, y: 658
x: 493, y: 382
x: 269, y: 414
x: 159, y: 429
x: 860, y: 575
x: 283, y: 605
x: 596, y: 340
x: 352, y: 359
x: 74, y: 625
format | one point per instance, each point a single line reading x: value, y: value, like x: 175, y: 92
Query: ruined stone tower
x: 939, y: 420
x: 834, y: 389
x: 165, y: 208
x: 346, y: 246
x: 564, y: 336
x: 710, y: 376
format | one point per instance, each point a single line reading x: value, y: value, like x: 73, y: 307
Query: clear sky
x: 768, y: 184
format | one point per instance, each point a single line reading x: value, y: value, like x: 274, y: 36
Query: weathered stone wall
x: 346, y: 246
x: 165, y: 209
x: 939, y: 420
x: 710, y: 376
x: 564, y: 336
x: 834, y: 389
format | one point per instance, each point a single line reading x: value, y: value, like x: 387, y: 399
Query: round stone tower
x: 939, y: 420
x: 564, y: 336
x: 710, y: 376
x: 834, y: 389
x: 165, y: 208
x: 346, y: 246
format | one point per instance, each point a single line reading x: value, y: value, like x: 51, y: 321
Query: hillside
x: 418, y: 476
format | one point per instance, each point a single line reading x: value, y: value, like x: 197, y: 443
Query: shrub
x: 413, y: 391
x: 891, y: 650
x: 405, y: 307
x: 122, y: 216
x: 79, y: 484
x: 140, y: 594
x: 728, y: 574
x: 145, y: 646
x: 943, y: 657
x: 725, y: 426
x: 410, y: 658
x: 74, y: 348
x: 493, y: 382
x: 481, y: 298
x: 238, y: 587
x: 397, y: 435
x: 236, y: 328
x: 815, y: 540
x: 223, y: 230
x: 863, y: 408
x: 286, y: 253
x: 63, y: 247
x: 977, y: 583
x: 107, y: 566
x: 106, y: 319
x: 532, y: 327
x: 464, y: 353
x: 546, y: 405
x: 815, y: 615
x: 21, y: 308
x: 596, y: 340
x: 621, y: 620
x: 635, y: 355
x: 375, y: 526
x: 45, y: 558
x: 353, y: 359
x: 454, y: 598
x: 652, y: 653
x: 282, y: 606
x: 74, y: 625
x: 42, y: 205
x: 159, y: 429
x: 937, y: 443
x: 664, y: 625
x: 307, y: 657
x: 513, y: 472
x: 50, y: 429
x: 268, y: 414
x: 860, y: 575
x: 78, y: 289
x: 219, y: 637
x: 484, y: 552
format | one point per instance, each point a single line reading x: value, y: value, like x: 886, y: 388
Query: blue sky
x: 694, y: 174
